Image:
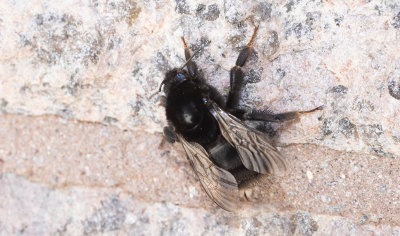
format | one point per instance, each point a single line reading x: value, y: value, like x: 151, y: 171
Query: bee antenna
x: 159, y: 90
x: 190, y: 58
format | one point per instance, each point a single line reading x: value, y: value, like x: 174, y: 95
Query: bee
x: 225, y: 153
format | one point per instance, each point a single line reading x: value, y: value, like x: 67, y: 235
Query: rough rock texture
x: 94, y: 167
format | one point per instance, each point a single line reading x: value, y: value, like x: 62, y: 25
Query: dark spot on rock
x: 200, y: 9
x: 134, y: 12
x: 338, y: 20
x: 346, y: 127
x: 378, y: 150
x: 109, y: 217
x: 394, y: 88
x: 305, y: 223
x: 68, y: 89
x: 136, y: 69
x: 279, y: 74
x: 270, y: 45
x: 136, y: 107
x: 126, y: 10
x: 252, y: 76
x: 253, y: 58
x: 72, y: 87
x: 211, y: 14
x: 378, y: 9
x: 161, y: 62
x: 340, y: 89
x: 114, y: 42
x: 289, y: 6
x: 25, y: 41
x: 376, y: 129
x: 363, y: 219
x: 298, y: 30
x: 396, y: 21
x: 59, y: 39
x: 254, y: 227
x: 396, y: 138
x: 383, y: 187
x: 312, y: 17
x: 22, y: 229
x: 363, y: 105
x: 3, y: 103
x: 264, y: 10
x: 25, y: 89
x: 182, y: 7
x: 236, y: 40
x: 241, y: 25
x: 199, y: 46
x: 273, y: 39
x: 110, y: 119
x: 64, y: 228
x: 39, y: 19
x: 371, y: 133
x: 327, y: 127
x: 66, y: 112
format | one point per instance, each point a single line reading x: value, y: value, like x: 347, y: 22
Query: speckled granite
x: 100, y: 61
x: 70, y: 171
x: 94, y: 62
x: 98, y: 211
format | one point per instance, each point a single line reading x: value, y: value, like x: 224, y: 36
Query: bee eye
x: 180, y: 76
x: 205, y: 100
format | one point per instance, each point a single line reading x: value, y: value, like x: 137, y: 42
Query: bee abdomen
x: 244, y: 176
x: 224, y: 155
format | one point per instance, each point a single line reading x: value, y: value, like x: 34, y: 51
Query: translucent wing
x: 219, y: 184
x: 254, y: 148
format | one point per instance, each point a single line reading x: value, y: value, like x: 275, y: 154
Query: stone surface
x: 97, y: 169
x: 82, y: 177
x: 98, y: 211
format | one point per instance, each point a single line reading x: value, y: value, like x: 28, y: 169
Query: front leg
x: 169, y: 135
x: 190, y: 64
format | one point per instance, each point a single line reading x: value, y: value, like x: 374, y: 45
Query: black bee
x: 225, y: 153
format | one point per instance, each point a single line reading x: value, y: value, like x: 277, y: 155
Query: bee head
x: 173, y: 78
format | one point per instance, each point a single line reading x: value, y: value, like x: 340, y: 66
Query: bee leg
x: 267, y: 115
x: 237, y: 82
x: 169, y: 135
x: 248, y: 194
x: 162, y: 101
x: 191, y: 65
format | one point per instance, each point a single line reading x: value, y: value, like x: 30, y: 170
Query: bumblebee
x: 223, y: 151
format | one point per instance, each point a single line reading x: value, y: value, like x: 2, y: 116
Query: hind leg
x: 237, y: 82
x: 257, y: 115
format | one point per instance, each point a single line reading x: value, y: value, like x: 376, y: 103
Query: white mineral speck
x: 310, y: 176
x: 192, y: 192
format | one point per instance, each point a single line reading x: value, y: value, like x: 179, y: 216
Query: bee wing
x: 254, y: 147
x: 219, y: 184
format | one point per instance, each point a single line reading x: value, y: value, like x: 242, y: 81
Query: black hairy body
x: 191, y: 118
x: 226, y: 155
